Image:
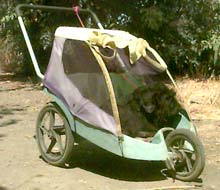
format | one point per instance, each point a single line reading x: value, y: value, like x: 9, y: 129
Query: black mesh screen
x: 78, y: 58
x: 83, y: 70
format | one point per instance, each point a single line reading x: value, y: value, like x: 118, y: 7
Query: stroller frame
x: 121, y: 145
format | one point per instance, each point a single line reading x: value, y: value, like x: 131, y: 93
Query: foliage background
x: 185, y: 33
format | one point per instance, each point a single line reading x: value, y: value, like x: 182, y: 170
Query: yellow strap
x: 110, y: 89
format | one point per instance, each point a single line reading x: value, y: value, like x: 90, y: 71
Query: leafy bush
x: 186, y: 34
x: 40, y: 26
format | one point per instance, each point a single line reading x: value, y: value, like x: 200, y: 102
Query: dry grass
x: 201, y: 97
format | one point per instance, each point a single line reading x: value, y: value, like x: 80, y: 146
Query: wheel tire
x: 193, y: 168
x: 54, y: 135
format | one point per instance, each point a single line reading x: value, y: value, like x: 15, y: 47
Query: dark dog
x: 148, y: 109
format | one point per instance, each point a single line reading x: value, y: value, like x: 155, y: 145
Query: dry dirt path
x: 92, y: 168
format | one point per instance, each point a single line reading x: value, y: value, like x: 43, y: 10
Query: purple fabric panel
x: 61, y: 86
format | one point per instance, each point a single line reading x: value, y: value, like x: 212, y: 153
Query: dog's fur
x: 148, y: 109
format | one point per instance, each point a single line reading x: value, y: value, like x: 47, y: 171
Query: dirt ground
x: 21, y: 167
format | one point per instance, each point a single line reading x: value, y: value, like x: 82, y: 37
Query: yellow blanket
x: 137, y: 48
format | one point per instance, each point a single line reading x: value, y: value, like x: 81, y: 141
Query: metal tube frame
x: 19, y: 13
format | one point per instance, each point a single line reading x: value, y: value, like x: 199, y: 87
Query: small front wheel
x: 54, y: 136
x: 187, y: 154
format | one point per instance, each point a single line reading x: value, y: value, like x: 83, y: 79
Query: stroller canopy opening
x: 82, y: 60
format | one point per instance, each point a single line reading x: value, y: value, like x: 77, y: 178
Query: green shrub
x: 186, y: 34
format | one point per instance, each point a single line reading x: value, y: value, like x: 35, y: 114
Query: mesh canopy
x: 74, y: 76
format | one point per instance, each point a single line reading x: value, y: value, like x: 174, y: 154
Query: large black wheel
x: 187, y: 154
x: 54, y: 136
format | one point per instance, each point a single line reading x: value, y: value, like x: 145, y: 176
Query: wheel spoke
x: 47, y: 132
x: 188, y: 152
x: 174, y: 150
x: 59, y: 141
x: 52, y: 143
x: 188, y: 162
x: 180, y: 143
x: 59, y: 129
x: 52, y: 119
x: 45, y: 118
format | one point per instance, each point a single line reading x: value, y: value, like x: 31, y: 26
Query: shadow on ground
x: 3, y: 188
x: 9, y: 122
x: 13, y: 77
x: 9, y: 111
x: 22, y: 82
x: 1, y: 136
x: 92, y: 158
